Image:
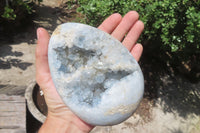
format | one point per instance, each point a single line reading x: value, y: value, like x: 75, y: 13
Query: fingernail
x: 38, y: 33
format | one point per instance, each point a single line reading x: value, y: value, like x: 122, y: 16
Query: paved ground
x: 175, y: 110
x: 17, y: 63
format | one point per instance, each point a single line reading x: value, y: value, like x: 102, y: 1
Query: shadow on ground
x: 47, y: 17
x: 8, y: 58
x: 50, y: 17
x: 175, y: 92
x: 176, y: 131
x: 44, y: 16
x: 179, y: 94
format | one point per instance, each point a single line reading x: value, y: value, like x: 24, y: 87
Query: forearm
x: 55, y: 125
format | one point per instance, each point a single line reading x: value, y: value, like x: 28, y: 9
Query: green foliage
x: 15, y: 8
x: 9, y: 13
x: 171, y: 26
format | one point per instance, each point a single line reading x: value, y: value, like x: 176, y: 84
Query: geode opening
x: 88, y: 89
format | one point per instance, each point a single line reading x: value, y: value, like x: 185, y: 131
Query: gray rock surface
x: 96, y: 76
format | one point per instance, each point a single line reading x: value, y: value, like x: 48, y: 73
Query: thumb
x: 41, y: 54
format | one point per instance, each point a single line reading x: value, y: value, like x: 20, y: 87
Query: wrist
x: 54, y: 124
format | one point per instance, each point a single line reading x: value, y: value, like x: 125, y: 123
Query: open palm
x: 126, y: 29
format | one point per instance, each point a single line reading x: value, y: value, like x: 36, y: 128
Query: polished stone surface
x: 95, y: 75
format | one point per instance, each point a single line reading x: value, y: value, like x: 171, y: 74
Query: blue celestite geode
x: 95, y: 75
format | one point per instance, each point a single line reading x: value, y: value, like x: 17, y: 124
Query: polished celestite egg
x: 95, y: 75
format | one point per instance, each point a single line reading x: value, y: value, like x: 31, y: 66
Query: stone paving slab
x: 12, y: 109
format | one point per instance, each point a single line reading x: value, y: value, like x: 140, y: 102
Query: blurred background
x: 170, y: 61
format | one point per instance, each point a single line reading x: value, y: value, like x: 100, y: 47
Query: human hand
x: 60, y: 118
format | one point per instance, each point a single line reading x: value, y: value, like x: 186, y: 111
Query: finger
x: 110, y: 23
x: 137, y: 51
x: 127, y: 22
x: 42, y: 67
x: 133, y: 35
